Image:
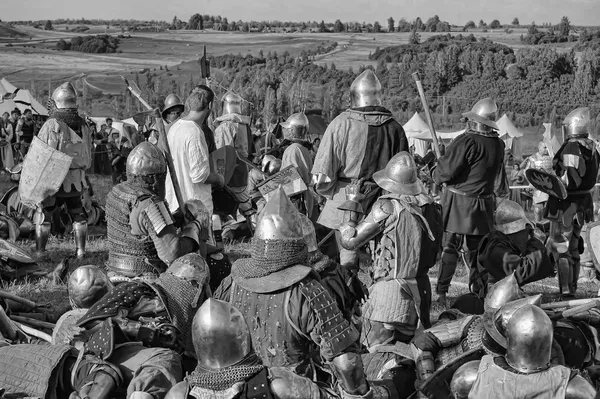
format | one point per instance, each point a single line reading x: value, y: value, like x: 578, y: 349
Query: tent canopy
x: 6, y: 87
x: 25, y: 100
x: 511, y: 136
x: 125, y: 129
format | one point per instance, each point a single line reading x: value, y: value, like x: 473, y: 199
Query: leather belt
x: 459, y: 192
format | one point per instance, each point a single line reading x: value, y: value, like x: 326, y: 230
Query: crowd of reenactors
x: 170, y: 317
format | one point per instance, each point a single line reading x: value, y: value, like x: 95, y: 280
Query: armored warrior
x: 68, y: 132
x: 406, y: 226
x: 513, y: 247
x: 233, y: 128
x: 473, y: 171
x: 526, y: 370
x: 172, y: 111
x: 576, y: 164
x: 291, y: 316
x: 297, y: 153
x: 142, y: 235
x: 540, y: 160
x: 356, y: 144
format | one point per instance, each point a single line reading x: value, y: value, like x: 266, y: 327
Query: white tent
x: 551, y: 140
x: 122, y: 126
x: 6, y: 87
x: 416, y: 128
x: 25, y: 100
x: 131, y: 122
x: 511, y: 135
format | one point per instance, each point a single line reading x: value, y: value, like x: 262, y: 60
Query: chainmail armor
x: 224, y: 378
x: 178, y: 296
x: 69, y: 116
x: 477, y: 337
x: 269, y: 256
x: 128, y: 255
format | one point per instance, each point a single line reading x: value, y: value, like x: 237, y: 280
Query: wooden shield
x: 44, y: 171
x: 289, y: 179
x: 223, y: 161
x: 547, y: 183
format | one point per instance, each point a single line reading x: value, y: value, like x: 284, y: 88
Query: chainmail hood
x: 223, y: 379
x: 69, y: 116
x: 269, y: 256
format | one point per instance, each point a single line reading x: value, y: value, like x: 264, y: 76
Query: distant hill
x: 7, y: 31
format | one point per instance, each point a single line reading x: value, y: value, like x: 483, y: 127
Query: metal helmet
x: 496, y: 324
x: 576, y: 124
x: 190, y: 267
x: 310, y: 235
x: 279, y: 219
x: 295, y: 127
x: 270, y: 165
x: 231, y: 103
x: 463, y: 379
x: 365, y: 90
x: 400, y: 176
x: 220, y: 334
x: 483, y: 114
x: 503, y: 292
x: 65, y: 96
x: 146, y: 159
x: 171, y: 101
x: 529, y: 339
x: 510, y: 217
x: 87, y: 284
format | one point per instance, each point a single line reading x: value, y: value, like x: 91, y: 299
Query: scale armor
x: 129, y: 255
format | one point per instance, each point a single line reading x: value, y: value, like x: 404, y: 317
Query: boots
x: 42, y: 232
x: 102, y: 386
x: 80, y: 232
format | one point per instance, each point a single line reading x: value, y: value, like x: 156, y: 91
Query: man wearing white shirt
x: 190, y: 153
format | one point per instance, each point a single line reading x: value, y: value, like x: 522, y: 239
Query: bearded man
x: 69, y: 133
x: 142, y: 235
x: 406, y: 226
x: 473, y: 171
x: 356, y: 144
x: 292, y: 316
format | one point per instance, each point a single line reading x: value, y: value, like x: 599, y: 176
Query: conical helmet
x: 510, y: 217
x: 231, y: 103
x: 483, y: 114
x: 365, y: 90
x: 220, y: 334
x: 65, y: 96
x: 503, y: 292
x: 496, y: 325
x: 295, y: 127
x: 146, y: 159
x: 529, y: 340
x: 171, y: 101
x: 576, y: 124
x: 87, y: 284
x: 279, y: 219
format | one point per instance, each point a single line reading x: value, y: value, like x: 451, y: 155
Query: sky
x: 580, y: 12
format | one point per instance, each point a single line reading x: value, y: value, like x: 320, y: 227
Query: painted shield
x: 438, y: 385
x: 10, y: 250
x: 289, y: 179
x: 547, y: 183
x: 44, y: 170
x: 223, y: 162
x: 592, y: 241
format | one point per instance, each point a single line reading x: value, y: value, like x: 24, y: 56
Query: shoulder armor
x: 336, y: 332
x: 179, y: 391
x: 382, y: 209
x: 579, y: 388
x: 157, y: 213
x: 452, y: 332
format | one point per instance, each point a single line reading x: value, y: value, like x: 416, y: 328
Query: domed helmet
x: 295, y: 127
x: 87, y: 284
x: 171, y: 102
x: 529, y: 340
x: 576, y: 124
x: 400, y: 176
x: 270, y: 165
x: 65, y: 96
x: 483, y: 114
x: 231, y: 103
x: 463, y: 379
x: 497, y: 328
x: 365, y: 90
x: 146, y: 159
x: 503, y: 292
x: 220, y: 334
x: 510, y: 217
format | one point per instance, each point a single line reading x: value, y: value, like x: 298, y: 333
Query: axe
x: 436, y: 145
x: 163, y: 144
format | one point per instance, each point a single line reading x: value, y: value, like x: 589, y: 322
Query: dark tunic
x: 499, y: 255
x: 473, y: 170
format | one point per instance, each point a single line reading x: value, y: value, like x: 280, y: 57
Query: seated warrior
x: 143, y: 239
x: 406, y: 226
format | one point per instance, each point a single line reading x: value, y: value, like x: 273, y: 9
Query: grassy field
x: 45, y: 291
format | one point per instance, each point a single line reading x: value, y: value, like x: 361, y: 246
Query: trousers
x: 452, y: 245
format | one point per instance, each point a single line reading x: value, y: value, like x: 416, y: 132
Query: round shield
x: 547, y: 183
x: 12, y: 251
x: 66, y: 327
